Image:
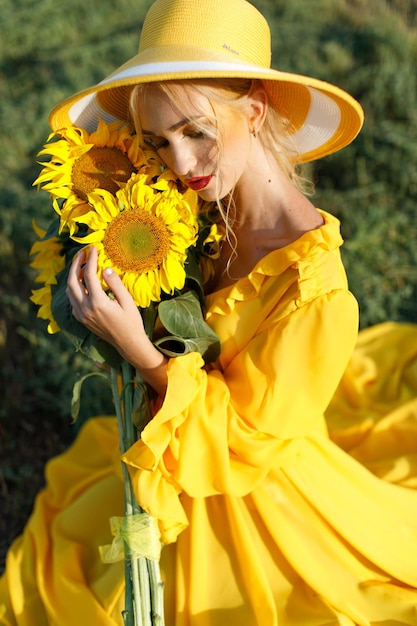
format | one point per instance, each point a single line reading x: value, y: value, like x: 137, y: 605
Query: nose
x: 182, y: 158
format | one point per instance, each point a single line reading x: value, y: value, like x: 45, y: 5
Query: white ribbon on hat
x: 322, y: 121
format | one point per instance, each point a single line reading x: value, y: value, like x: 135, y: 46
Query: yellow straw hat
x: 186, y: 39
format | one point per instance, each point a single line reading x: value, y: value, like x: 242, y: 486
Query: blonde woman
x: 264, y: 519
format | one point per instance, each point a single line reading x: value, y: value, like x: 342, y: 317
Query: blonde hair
x: 224, y: 94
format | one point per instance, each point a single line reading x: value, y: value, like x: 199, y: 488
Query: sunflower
x: 82, y: 162
x: 211, y: 251
x: 49, y: 261
x: 143, y: 234
x: 43, y: 298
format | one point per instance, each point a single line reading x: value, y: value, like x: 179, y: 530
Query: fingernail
x: 108, y: 271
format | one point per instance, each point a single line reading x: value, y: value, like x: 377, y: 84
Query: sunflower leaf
x: 178, y: 346
x: 194, y: 278
x: 62, y: 311
x: 187, y: 330
x: 76, y: 393
x: 174, y: 346
x: 141, y: 411
x: 100, y: 351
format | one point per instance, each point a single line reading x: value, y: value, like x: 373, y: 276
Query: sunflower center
x: 136, y: 241
x: 100, y: 168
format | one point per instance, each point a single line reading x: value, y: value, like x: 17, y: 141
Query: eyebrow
x: 176, y: 126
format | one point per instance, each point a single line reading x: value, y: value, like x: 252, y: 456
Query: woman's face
x: 186, y: 141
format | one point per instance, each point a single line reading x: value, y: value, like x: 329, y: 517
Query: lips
x: 198, y: 182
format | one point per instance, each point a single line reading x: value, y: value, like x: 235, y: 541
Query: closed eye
x: 197, y: 134
x: 156, y: 143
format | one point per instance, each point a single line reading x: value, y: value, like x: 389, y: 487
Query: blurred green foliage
x: 49, y: 50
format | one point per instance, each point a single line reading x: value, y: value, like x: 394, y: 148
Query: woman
x: 264, y: 519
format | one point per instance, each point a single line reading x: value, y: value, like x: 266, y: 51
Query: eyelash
x: 163, y: 143
x: 155, y: 145
x: 197, y: 134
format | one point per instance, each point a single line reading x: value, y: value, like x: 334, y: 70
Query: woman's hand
x: 116, y: 320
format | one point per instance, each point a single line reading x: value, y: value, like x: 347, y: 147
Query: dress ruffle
x: 276, y: 263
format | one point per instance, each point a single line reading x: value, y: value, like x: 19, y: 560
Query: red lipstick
x: 198, y: 182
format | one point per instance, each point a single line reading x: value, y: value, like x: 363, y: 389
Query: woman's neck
x: 266, y: 200
x: 270, y: 213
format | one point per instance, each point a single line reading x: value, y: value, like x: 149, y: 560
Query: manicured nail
x: 108, y: 271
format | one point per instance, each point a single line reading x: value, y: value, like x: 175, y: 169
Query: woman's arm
x: 221, y: 430
x: 115, y: 320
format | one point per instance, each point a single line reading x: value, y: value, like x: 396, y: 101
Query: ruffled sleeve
x: 221, y: 429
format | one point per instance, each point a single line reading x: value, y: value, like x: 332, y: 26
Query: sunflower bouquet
x: 109, y: 193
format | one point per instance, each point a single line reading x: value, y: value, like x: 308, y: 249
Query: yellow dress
x: 271, y: 514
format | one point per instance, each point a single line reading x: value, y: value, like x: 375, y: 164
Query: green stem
x: 139, y: 573
x: 128, y: 613
x: 130, y: 434
x: 144, y: 600
x: 139, y: 598
x: 157, y: 593
x: 143, y: 582
x: 134, y: 594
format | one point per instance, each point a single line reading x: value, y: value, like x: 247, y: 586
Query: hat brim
x: 323, y: 117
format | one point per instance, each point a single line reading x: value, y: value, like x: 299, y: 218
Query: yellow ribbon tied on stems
x: 134, y: 536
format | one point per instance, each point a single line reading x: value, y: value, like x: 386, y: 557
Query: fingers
x: 93, y: 283
x: 83, y: 284
x: 91, y: 279
x: 117, y: 287
x: 83, y: 279
x: 85, y: 291
x: 75, y: 283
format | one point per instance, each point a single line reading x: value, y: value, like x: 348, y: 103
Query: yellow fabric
x: 270, y: 515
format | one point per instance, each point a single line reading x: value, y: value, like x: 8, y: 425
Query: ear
x: 257, y: 109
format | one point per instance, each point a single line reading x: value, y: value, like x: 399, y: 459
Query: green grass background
x: 49, y: 49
